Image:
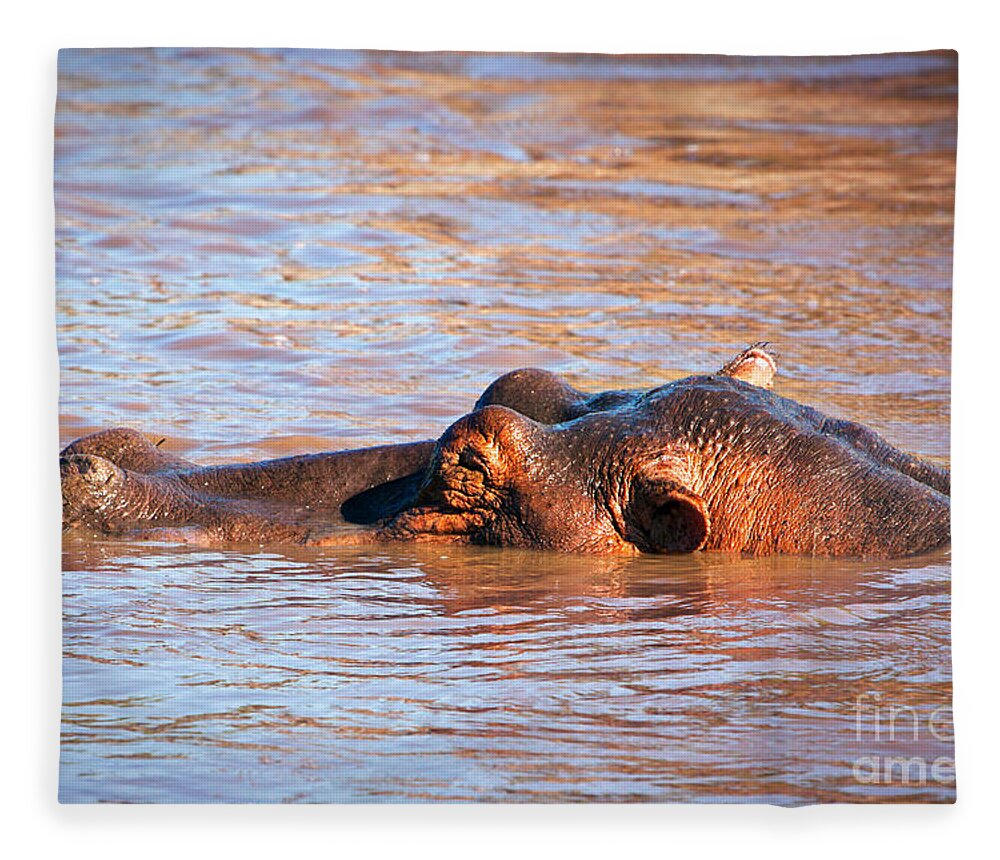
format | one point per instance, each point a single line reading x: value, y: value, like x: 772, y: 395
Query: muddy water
x: 261, y: 253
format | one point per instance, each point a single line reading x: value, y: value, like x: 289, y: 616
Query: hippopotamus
x: 713, y: 462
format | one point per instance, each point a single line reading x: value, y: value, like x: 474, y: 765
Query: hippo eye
x: 664, y: 516
x: 469, y: 458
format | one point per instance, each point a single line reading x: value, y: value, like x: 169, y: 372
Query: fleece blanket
x: 727, y: 580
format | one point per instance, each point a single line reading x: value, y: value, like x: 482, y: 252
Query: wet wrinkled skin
x: 714, y: 462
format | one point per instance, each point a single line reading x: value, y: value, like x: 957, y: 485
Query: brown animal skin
x: 714, y: 462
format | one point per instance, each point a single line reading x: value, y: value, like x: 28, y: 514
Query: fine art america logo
x: 880, y: 726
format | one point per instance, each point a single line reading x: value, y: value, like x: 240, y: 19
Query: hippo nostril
x: 87, y: 470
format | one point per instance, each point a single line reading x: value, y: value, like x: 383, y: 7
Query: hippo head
x: 498, y: 477
x: 715, y: 461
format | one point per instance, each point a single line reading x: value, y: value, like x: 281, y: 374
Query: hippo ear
x: 664, y: 516
x: 755, y: 365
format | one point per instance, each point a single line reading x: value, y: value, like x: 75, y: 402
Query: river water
x: 271, y: 252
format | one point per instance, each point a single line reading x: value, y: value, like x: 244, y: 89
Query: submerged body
x: 714, y: 462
